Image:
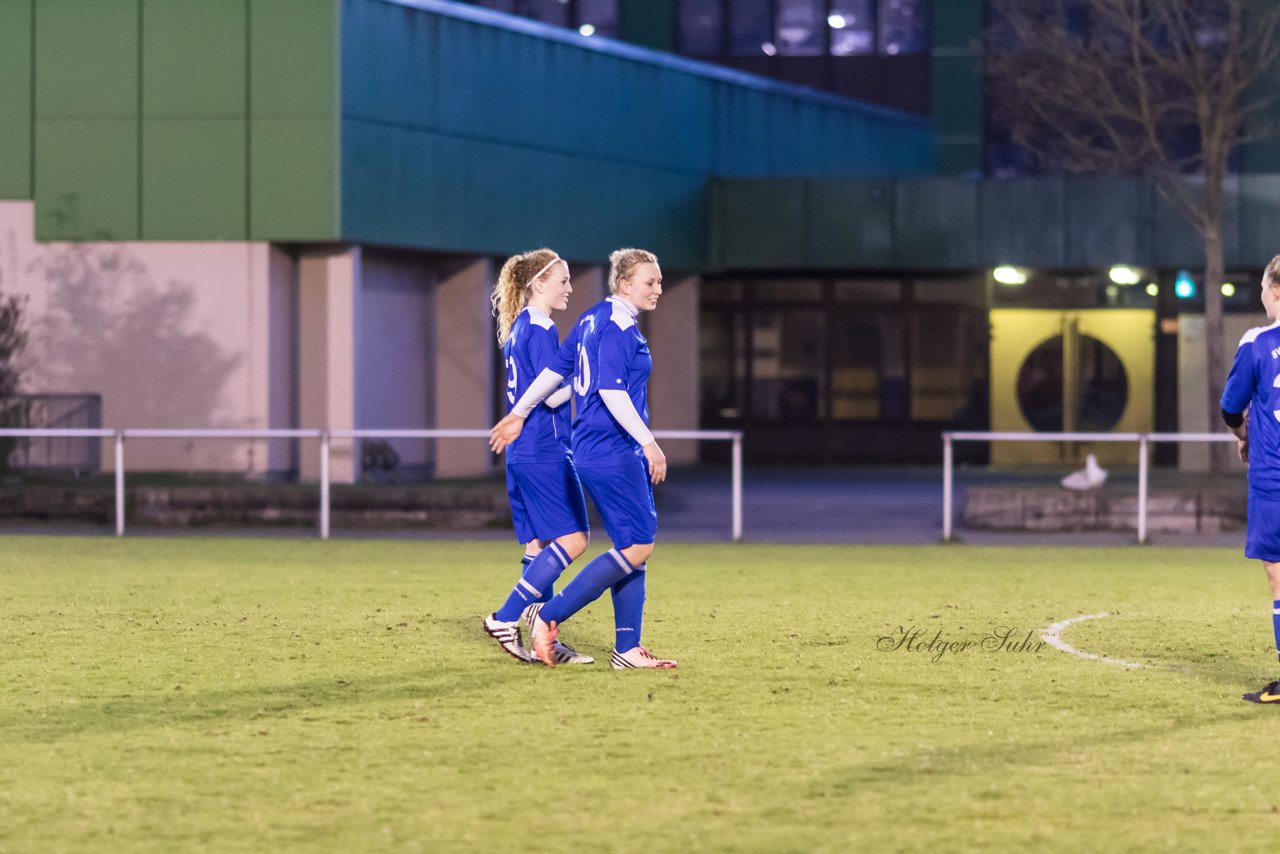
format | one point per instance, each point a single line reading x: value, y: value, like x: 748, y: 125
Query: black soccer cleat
x: 1268, y: 695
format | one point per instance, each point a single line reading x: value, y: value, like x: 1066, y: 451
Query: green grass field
x: 229, y: 694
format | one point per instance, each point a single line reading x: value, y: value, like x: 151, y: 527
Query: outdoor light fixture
x: 769, y: 48
x: 837, y: 22
x: 1152, y: 289
x: 1123, y: 274
x: 1228, y: 289
x: 587, y: 30
x: 1184, y: 286
x: 1006, y: 275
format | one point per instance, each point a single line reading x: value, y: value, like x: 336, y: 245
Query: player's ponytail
x: 511, y: 293
x: 623, y: 261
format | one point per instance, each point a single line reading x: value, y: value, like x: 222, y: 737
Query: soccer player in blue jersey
x: 614, y: 452
x: 547, y: 506
x: 1251, y: 408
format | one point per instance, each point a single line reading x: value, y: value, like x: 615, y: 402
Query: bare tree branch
x: 1161, y: 88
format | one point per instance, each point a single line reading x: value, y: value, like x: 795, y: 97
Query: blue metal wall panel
x: 464, y: 130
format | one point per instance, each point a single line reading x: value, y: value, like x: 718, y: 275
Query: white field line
x: 1053, y: 637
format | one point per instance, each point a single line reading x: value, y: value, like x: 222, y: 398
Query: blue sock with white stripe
x: 596, y: 577
x: 537, y: 582
x: 628, y: 610
x: 1275, y: 624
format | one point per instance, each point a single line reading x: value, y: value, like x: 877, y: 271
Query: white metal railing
x: 1144, y: 440
x: 326, y: 437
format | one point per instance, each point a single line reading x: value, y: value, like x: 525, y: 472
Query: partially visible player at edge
x: 615, y: 454
x: 547, y: 507
x: 1251, y: 408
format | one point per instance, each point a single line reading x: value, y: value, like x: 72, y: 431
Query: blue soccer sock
x: 1275, y: 624
x: 586, y: 587
x: 536, y: 583
x: 628, y: 610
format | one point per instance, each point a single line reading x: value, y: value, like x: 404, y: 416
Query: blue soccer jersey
x: 532, y: 346
x: 605, y: 350
x: 1254, y: 382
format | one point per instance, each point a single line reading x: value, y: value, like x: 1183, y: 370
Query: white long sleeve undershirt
x: 624, y: 411
x: 542, y: 386
x: 559, y: 398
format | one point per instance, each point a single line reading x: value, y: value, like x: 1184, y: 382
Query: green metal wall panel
x: 762, y: 224
x: 193, y: 179
x: 1109, y: 221
x: 1259, y: 218
x: 294, y: 109
x: 15, y: 99
x: 194, y: 126
x: 194, y: 58
x: 293, y: 58
x: 86, y: 58
x: 936, y: 224
x: 850, y: 223
x: 87, y: 179
x: 1022, y: 221
x: 293, y: 180
x: 86, y: 97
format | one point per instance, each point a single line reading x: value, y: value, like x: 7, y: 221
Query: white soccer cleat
x: 508, y: 637
x: 1091, y: 476
x: 640, y: 657
x: 563, y: 653
x: 566, y: 654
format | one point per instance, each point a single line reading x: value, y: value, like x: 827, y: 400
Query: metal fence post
x: 946, y: 487
x: 119, y: 483
x: 324, y: 485
x: 737, y: 487
x: 1143, y: 474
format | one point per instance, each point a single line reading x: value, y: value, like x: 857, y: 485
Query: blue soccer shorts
x: 624, y: 496
x: 1262, y: 530
x: 546, y: 500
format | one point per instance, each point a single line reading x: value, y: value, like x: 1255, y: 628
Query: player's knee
x: 573, y: 544
x: 1273, y: 578
x: 638, y: 553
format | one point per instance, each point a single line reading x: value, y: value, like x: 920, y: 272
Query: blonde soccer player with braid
x: 547, y: 507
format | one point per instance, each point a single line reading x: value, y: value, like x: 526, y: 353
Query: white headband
x: 538, y: 275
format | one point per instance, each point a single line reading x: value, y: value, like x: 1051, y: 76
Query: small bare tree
x: 13, y: 337
x: 1168, y: 89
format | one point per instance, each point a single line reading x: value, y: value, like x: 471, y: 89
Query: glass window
x: 948, y: 363
x: 750, y: 28
x: 801, y: 30
x: 721, y: 292
x: 701, y: 28
x: 787, y: 376
x: 970, y: 292
x: 600, y: 15
x: 868, y: 371
x: 788, y: 290
x: 723, y: 364
x: 903, y: 27
x: 548, y: 11
x: 868, y: 290
x: 852, y: 27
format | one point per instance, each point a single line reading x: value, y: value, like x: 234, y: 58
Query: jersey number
x: 511, y: 381
x: 582, y: 376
